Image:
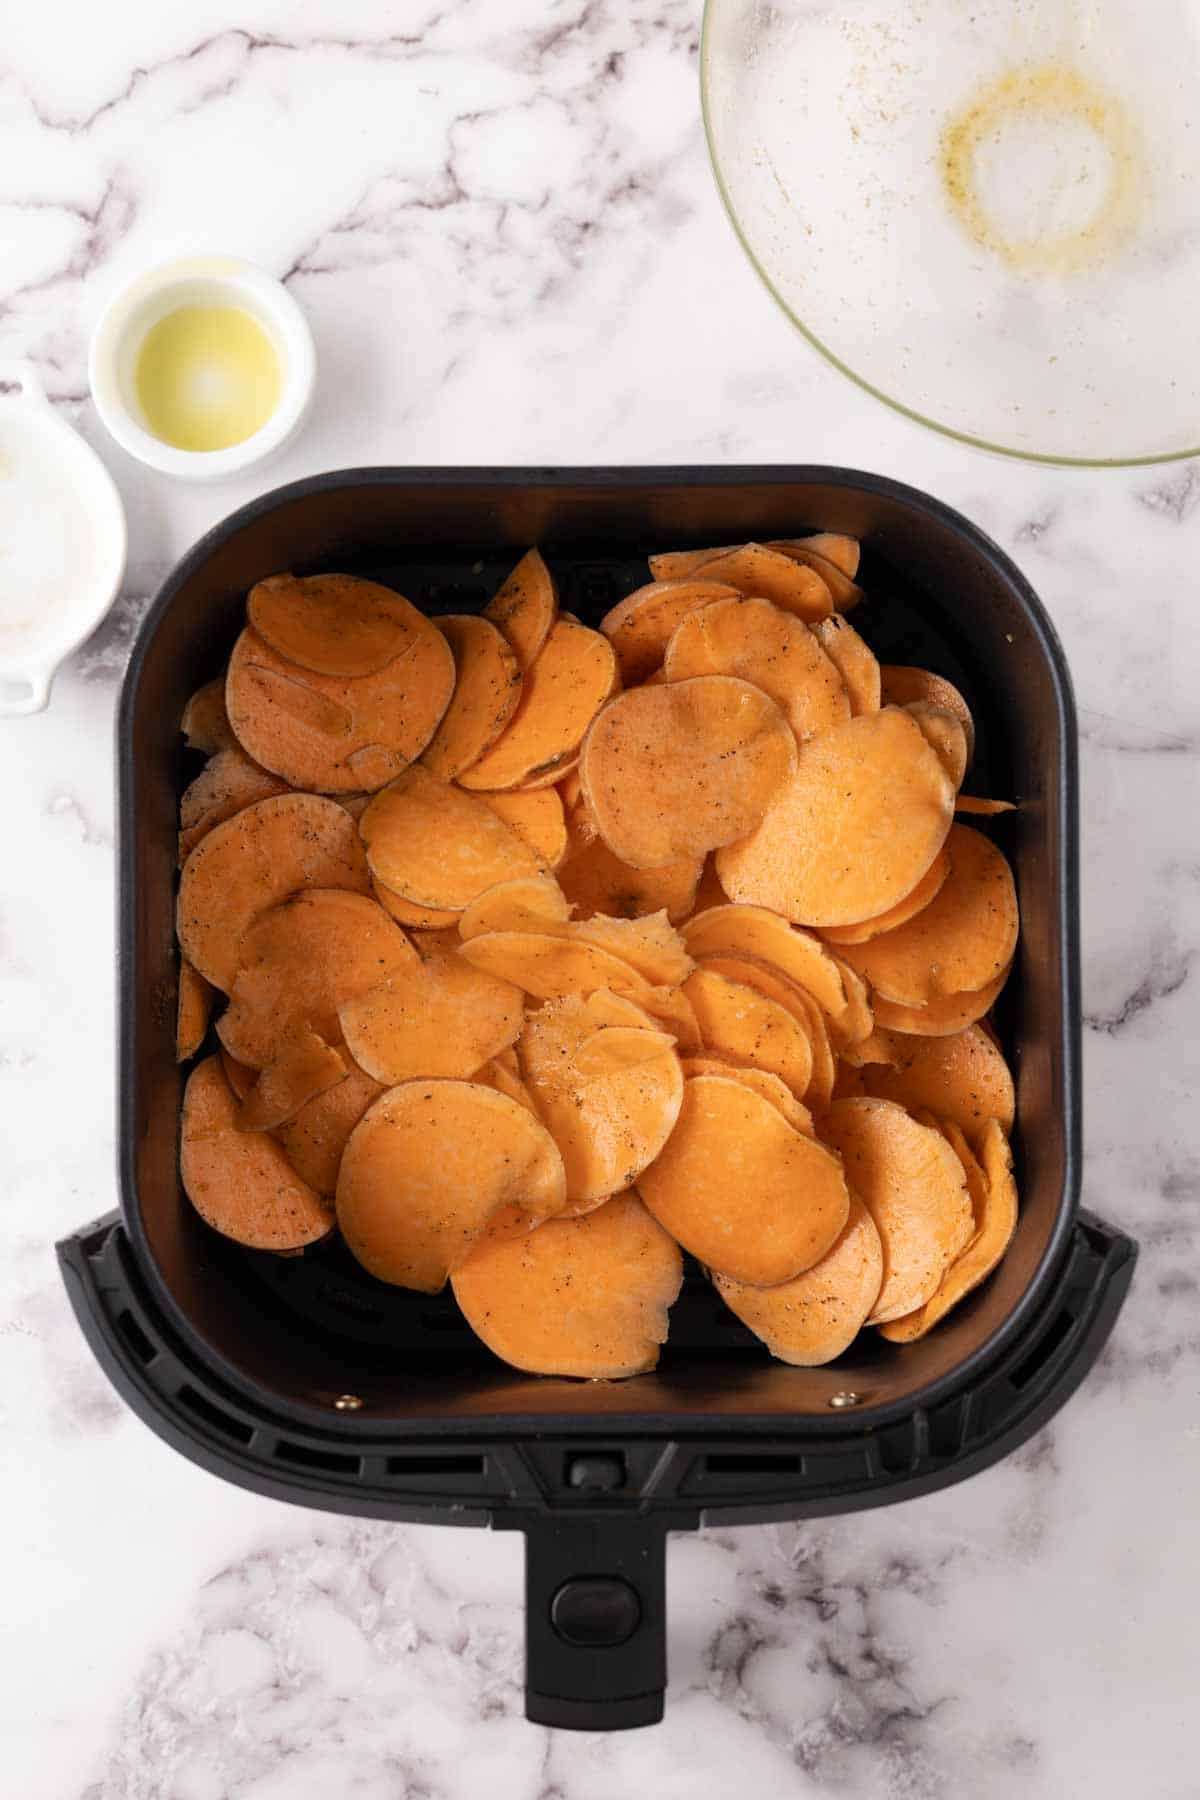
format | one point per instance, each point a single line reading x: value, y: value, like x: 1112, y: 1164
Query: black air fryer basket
x: 305, y: 1379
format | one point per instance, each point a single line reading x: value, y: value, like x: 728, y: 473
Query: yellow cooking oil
x: 207, y: 376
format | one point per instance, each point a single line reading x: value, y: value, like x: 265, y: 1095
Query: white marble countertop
x: 501, y: 224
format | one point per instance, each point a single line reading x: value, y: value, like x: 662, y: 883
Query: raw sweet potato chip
x: 674, y: 771
x: 753, y: 569
x: 226, y: 784
x: 609, y: 1102
x: 565, y: 687
x: 818, y: 1314
x: 770, y: 648
x: 428, y: 1168
x: 760, y: 1081
x: 956, y: 944
x: 305, y: 1067
x: 413, y: 918
x: 332, y: 733
x: 943, y: 1015
x: 251, y: 863
x: 316, y: 1137
x: 439, y: 847
x: 913, y: 902
x: 487, y: 689
x: 525, y: 607
x: 192, y: 1010
x: 580, y: 1296
x: 527, y: 903
x: 972, y: 803
x: 854, y: 661
x: 335, y: 624
x: 551, y: 968
x: 205, y: 723
x: 903, y: 684
x: 962, y: 1077
x: 945, y: 736
x: 536, y: 815
x: 640, y: 627
x: 763, y: 936
x: 744, y: 1192
x: 240, y: 1182
x: 913, y: 1185
x: 437, y: 1015
x: 742, y: 1025
x: 300, y: 963
x: 853, y: 831
x: 985, y: 1250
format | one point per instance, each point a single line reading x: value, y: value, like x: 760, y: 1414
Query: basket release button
x: 595, y: 1612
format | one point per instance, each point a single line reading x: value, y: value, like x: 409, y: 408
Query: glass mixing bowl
x: 986, y: 215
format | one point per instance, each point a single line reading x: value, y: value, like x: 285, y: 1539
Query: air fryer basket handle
x: 595, y: 1621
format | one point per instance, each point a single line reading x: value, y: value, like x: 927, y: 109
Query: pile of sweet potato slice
x: 547, y: 954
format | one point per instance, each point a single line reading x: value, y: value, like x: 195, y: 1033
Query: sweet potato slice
x: 609, y: 1113
x: 299, y: 963
x: 331, y: 733
x: 503, y: 1072
x: 903, y: 684
x: 487, y: 689
x: 205, y: 723
x: 853, y: 831
x: 904, y: 910
x: 709, y: 892
x: 769, y: 981
x: 240, y: 1182
x: 316, y: 1137
x: 987, y: 809
x: 743, y: 1191
x: 192, y: 1008
x: 251, y: 863
x: 241, y: 1078
x: 759, y: 1081
x: 226, y: 784
x: 564, y: 689
x: 817, y: 1315
x: 439, y: 1015
x: 650, y: 945
x: 944, y: 1015
x: 525, y: 607
x: 551, y: 968
x: 639, y: 627
x: 742, y: 1025
x: 305, y: 1067
x: 536, y: 815
x: 775, y: 651
x: 530, y: 903
x: 854, y: 661
x: 813, y: 551
x: 753, y: 569
x: 674, y: 771
x: 671, y: 1008
x: 982, y: 1254
x: 913, y: 1185
x: 586, y: 1297
x: 963, y: 1078
x: 335, y: 624
x: 956, y: 944
x: 429, y: 1166
x: 439, y: 847
x: 596, y: 881
x: 945, y: 735
x: 762, y: 935
x: 413, y: 918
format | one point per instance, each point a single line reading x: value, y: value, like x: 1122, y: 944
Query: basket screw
x: 845, y: 1398
x: 347, y: 1403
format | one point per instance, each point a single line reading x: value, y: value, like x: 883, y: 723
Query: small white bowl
x: 199, y: 281
x: 62, y: 541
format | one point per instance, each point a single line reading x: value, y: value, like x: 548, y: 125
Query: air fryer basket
x: 305, y: 1379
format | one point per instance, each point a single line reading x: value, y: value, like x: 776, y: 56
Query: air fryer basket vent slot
x: 213, y: 1415
x: 135, y: 1337
x: 308, y: 1457
x: 1045, y: 1348
x: 435, y: 1463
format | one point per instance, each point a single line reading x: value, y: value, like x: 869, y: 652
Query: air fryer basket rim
x: 869, y: 1416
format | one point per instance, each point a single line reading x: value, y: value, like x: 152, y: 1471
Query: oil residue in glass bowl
x: 208, y: 376
x: 1045, y: 169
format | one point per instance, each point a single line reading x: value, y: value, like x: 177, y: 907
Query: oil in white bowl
x: 207, y: 376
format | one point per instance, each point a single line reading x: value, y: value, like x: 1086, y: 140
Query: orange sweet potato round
x: 226, y: 784
x: 564, y: 689
x: 941, y: 1016
x: 640, y: 626
x: 760, y: 1081
x: 775, y: 651
x: 487, y: 689
x: 335, y: 624
x: 753, y: 569
x: 743, y: 1191
x: 192, y: 1009
x: 853, y: 831
x: 763, y: 936
x: 240, y: 1182
x: 673, y: 771
x: 536, y: 815
x: 580, y: 1296
x: 439, y: 847
x: 913, y: 1185
x: 428, y: 1168
x: 963, y: 1077
x: 525, y: 607
x: 903, y: 684
x: 437, y: 1015
x: 743, y: 1025
x: 205, y: 723
x: 316, y: 1137
x: 818, y: 1314
x: 251, y: 863
x: 413, y: 918
x: 904, y: 910
x: 334, y: 734
x: 854, y: 661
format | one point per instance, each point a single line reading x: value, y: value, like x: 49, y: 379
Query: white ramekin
x: 192, y: 281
